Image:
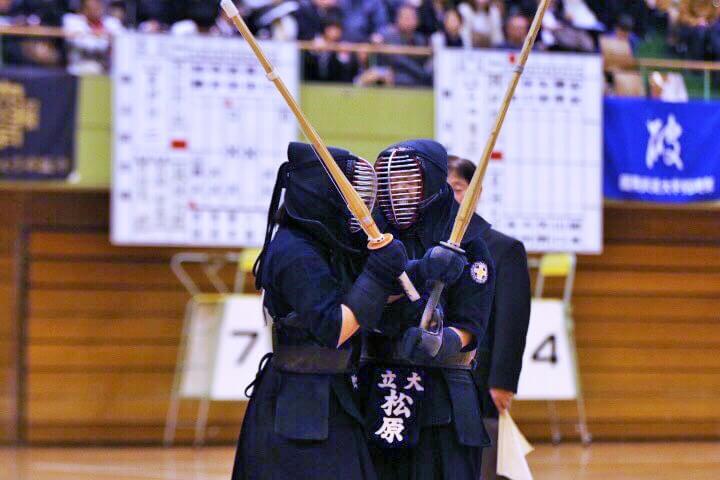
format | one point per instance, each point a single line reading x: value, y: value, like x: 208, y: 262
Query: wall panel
x: 102, y: 325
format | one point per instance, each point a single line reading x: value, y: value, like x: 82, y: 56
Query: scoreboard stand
x: 552, y: 346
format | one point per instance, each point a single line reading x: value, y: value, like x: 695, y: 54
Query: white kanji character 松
x: 397, y: 404
x: 401, y: 406
x: 390, y: 401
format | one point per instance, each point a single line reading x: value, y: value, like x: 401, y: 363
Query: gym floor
x: 601, y: 461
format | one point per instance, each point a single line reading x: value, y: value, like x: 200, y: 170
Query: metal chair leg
x: 556, y: 436
x: 201, y: 422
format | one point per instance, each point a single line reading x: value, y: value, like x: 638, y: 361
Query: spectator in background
x: 44, y: 12
x: 430, y: 13
x: 608, y: 12
x: 275, y: 21
x: 89, y: 34
x: 327, y: 66
x: 151, y: 16
x: 578, y: 15
x: 11, y: 50
x: 522, y: 7
x: 26, y: 51
x: 431, y: 16
x: 311, y: 17
x: 9, y: 13
x: 624, y: 30
x: 118, y: 10
x: 517, y: 27
x: 483, y: 20
x: 407, y: 70
x: 200, y: 17
x: 453, y: 33
x: 362, y: 18
x: 559, y: 33
x: 696, y: 21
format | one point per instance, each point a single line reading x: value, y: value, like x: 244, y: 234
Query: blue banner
x: 37, y: 123
x: 662, y: 152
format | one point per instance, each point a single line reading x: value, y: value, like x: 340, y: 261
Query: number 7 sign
x: 243, y: 340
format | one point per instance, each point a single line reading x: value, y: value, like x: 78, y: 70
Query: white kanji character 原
x: 391, y: 429
x: 414, y: 382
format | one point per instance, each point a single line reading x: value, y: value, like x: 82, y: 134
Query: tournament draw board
x: 199, y: 133
x: 544, y: 181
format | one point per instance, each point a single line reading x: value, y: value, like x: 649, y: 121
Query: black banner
x: 37, y: 123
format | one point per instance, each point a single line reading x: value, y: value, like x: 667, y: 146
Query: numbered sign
x: 548, y: 371
x: 243, y: 340
x: 200, y: 345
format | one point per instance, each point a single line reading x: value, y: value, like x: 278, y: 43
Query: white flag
x: 512, y: 449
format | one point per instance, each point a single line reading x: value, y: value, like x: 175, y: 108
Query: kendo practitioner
x: 320, y: 285
x: 500, y: 352
x: 423, y: 411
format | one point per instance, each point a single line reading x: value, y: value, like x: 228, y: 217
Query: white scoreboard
x: 544, y: 182
x: 199, y: 133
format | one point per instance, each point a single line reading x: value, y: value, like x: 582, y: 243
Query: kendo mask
x: 313, y: 200
x: 410, y: 175
x: 313, y: 203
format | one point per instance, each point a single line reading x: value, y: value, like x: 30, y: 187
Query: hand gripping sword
x: 469, y: 203
x: 376, y: 239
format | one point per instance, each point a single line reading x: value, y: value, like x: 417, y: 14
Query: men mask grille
x: 364, y: 180
x: 400, y: 187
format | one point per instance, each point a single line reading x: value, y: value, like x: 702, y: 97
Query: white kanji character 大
x: 414, y: 382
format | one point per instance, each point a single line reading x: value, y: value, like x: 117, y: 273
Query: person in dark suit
x: 500, y: 352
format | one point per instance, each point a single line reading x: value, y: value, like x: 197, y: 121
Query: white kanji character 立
x: 388, y: 380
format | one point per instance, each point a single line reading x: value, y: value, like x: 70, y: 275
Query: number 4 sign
x: 548, y: 371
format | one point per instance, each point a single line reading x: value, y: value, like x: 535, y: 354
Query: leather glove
x: 438, y: 264
x: 378, y: 279
x: 423, y: 347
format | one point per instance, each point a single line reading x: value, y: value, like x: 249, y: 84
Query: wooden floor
x: 610, y: 461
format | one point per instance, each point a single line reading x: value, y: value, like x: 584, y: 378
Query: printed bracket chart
x: 199, y: 133
x: 544, y: 182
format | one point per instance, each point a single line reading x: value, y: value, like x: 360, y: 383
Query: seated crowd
x: 692, y: 28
